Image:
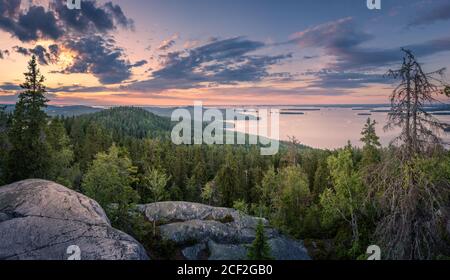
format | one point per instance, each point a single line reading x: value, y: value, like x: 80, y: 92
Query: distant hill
x: 66, y: 111
x: 130, y: 122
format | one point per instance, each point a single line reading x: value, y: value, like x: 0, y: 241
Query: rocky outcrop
x: 41, y: 220
x: 218, y: 233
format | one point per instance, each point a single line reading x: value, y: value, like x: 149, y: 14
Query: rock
x: 41, y: 219
x: 225, y: 232
x: 285, y: 248
x: 193, y: 252
x: 227, y: 251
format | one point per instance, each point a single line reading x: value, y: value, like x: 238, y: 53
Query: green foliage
x: 227, y: 181
x: 291, y: 199
x: 346, y: 199
x: 241, y: 206
x: 266, y: 192
x: 154, y: 182
x: 410, y: 195
x: 322, y: 179
x: 130, y: 122
x: 62, y: 168
x: 108, y: 181
x: 4, y: 145
x: 96, y: 140
x: 196, y: 181
x: 371, y: 142
x: 260, y: 249
x: 207, y: 192
x: 29, y: 155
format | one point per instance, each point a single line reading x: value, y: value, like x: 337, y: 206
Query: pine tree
x: 260, y: 249
x: 227, y: 180
x: 61, y: 169
x: 371, y: 143
x: 4, y: 144
x: 29, y: 156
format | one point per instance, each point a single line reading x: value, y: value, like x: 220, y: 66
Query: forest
x: 338, y: 201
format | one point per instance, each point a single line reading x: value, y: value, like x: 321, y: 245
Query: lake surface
x: 330, y: 127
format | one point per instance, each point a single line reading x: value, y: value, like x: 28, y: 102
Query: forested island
x: 339, y: 202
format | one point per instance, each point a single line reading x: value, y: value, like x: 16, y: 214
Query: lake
x: 331, y: 127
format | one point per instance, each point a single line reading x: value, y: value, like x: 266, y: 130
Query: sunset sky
x: 172, y: 52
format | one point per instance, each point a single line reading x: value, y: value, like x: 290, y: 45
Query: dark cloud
x: 139, y: 63
x: 86, y: 31
x: 119, y: 16
x: 307, y: 57
x: 97, y: 56
x: 343, y: 40
x: 58, y: 21
x: 9, y: 8
x: 78, y: 89
x: 439, y: 13
x: 218, y: 62
x: 28, y: 25
x: 165, y: 45
x: 9, y: 87
x: 43, y: 55
x: 92, y: 17
x: 3, y: 54
x: 21, y: 50
x: 168, y: 43
x: 345, y: 80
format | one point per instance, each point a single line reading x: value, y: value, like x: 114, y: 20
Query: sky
x: 220, y: 52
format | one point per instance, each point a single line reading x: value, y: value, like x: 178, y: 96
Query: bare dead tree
x: 409, y: 193
x: 417, y: 89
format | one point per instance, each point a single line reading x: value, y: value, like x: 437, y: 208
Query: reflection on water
x: 330, y: 128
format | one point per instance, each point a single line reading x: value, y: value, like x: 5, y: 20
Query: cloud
x: 307, y: 57
x: 98, y: 56
x: 9, y: 87
x: 139, y: 63
x: 3, y: 54
x: 333, y: 79
x: 85, y: 31
x: 28, y: 25
x: 439, y: 13
x: 343, y: 40
x: 92, y: 17
x: 168, y: 43
x: 44, y: 56
x: 219, y: 62
x: 9, y: 8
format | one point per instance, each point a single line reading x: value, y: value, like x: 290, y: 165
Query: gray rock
x: 41, y: 219
x: 227, y: 232
x: 227, y: 251
x: 285, y: 248
x: 193, y: 252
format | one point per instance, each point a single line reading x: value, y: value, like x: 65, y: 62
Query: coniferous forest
x: 338, y: 201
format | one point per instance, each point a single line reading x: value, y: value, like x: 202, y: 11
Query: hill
x: 130, y: 122
x: 65, y: 111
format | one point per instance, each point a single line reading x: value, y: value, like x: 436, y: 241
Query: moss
x: 226, y: 219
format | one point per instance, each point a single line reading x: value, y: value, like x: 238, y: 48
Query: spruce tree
x: 260, y: 249
x: 29, y: 156
x: 4, y: 144
x: 371, y: 143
